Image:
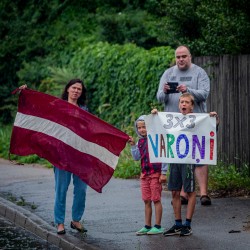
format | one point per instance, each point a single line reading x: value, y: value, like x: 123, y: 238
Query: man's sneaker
x: 185, y: 231
x: 143, y: 231
x: 155, y: 230
x: 173, y: 230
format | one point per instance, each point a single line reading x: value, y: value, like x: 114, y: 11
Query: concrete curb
x: 29, y: 221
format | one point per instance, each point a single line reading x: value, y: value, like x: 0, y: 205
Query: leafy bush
x: 36, y: 35
x: 127, y: 167
x: 133, y: 26
x: 122, y: 81
x: 223, y: 177
x: 5, y: 133
x: 204, y: 25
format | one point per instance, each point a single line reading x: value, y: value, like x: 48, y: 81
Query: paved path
x: 113, y: 217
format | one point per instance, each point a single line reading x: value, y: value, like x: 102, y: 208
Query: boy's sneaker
x: 185, y: 231
x: 155, y: 230
x: 143, y: 231
x: 173, y: 230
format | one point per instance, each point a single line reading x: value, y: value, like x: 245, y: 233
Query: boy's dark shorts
x: 181, y: 174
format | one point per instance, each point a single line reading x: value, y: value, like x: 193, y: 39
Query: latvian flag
x: 67, y: 136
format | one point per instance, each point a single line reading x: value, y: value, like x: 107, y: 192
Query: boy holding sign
x: 183, y: 175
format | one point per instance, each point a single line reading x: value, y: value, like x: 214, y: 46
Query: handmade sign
x: 177, y: 138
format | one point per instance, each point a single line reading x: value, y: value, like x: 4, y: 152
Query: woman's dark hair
x: 82, y: 99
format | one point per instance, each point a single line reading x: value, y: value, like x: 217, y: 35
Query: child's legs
x: 188, y: 176
x: 156, y: 190
x: 158, y: 212
x: 174, y: 185
x: 191, y: 205
x: 176, y: 204
x: 148, y: 213
x: 146, y: 197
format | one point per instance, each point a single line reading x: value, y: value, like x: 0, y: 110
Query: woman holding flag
x: 75, y: 93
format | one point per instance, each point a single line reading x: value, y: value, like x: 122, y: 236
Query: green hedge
x: 122, y: 81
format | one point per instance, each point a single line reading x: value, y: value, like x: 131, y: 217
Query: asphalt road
x: 113, y: 217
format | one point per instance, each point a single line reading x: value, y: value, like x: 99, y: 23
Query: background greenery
x: 39, y: 36
x: 119, y: 48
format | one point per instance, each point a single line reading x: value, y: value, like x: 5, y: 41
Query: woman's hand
x: 23, y: 87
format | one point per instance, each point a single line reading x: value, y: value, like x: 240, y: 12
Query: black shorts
x: 182, y: 174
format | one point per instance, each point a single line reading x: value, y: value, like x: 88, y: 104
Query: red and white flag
x: 67, y: 136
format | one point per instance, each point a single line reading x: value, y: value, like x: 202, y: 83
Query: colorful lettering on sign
x: 211, y: 145
x: 179, y: 138
x: 169, y: 146
x: 154, y: 145
x: 201, y: 146
x: 170, y: 142
x: 174, y: 122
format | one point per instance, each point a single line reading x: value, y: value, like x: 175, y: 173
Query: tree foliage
x: 121, y: 80
x: 134, y: 26
x: 37, y: 36
x: 209, y: 27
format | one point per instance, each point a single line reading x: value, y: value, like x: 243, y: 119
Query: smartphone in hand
x: 173, y: 87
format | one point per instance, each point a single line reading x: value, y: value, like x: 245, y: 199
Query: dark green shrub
x: 229, y: 178
x: 122, y: 81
